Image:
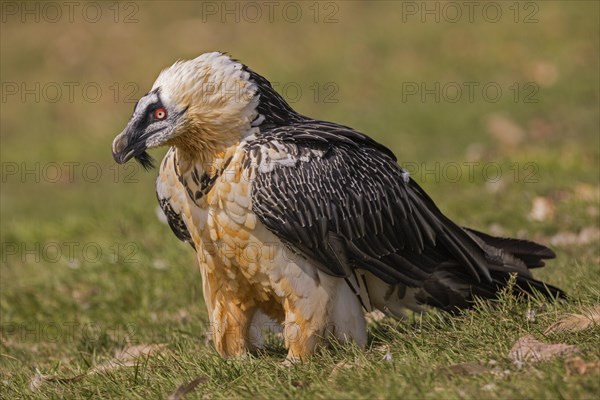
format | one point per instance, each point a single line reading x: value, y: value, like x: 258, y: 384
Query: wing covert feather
x: 345, y: 193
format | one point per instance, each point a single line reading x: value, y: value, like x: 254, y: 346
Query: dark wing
x: 341, y: 200
x: 345, y: 203
x: 175, y: 221
x: 171, y: 195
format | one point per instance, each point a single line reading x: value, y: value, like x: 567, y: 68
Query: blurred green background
x: 69, y: 83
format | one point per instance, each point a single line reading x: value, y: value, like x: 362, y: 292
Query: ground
x: 87, y: 269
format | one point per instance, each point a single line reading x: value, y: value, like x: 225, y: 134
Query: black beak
x: 120, y: 152
x: 125, y: 147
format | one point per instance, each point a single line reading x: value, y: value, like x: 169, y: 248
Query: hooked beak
x: 120, y: 151
x: 127, y: 145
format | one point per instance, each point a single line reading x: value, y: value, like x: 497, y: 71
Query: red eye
x: 160, y: 113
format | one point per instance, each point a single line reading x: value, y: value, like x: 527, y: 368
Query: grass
x: 87, y: 269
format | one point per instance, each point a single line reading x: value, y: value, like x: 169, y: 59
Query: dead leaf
x: 186, y: 388
x: 39, y: 379
x: 542, y: 208
x: 496, y: 230
x: 576, y: 322
x: 388, y: 357
x: 587, y: 192
x: 160, y: 264
x: 299, y: 383
x: 495, y: 186
x: 338, y: 367
x: 504, y: 130
x: 128, y: 357
x: 464, y: 369
x: 475, y: 152
x: 530, y: 315
x: 543, y: 73
x: 387, y: 354
x: 587, y: 235
x: 500, y: 373
x: 529, y: 349
x: 590, y: 234
x: 578, y: 366
x: 490, y: 387
x: 541, y: 129
x: 374, y: 316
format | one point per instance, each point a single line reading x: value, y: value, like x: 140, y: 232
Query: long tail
x: 518, y: 256
x: 451, y: 287
x: 530, y: 253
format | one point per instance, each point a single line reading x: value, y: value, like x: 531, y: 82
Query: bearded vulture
x: 309, y: 222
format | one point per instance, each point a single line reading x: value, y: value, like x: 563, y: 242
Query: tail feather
x: 450, y: 286
x: 530, y: 286
x: 531, y: 253
x: 517, y: 255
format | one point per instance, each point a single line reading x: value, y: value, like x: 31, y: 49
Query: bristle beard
x: 145, y: 160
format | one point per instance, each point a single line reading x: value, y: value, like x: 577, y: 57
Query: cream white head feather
x: 200, y: 106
